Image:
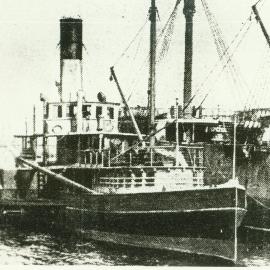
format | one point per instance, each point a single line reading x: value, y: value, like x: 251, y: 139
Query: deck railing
x: 117, y: 182
x: 189, y: 156
x: 147, y: 182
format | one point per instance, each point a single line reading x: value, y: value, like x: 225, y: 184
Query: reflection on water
x: 257, y: 255
x: 26, y: 247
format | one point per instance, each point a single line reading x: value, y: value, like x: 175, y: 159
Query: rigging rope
x: 199, y: 88
x: 169, y: 28
x: 230, y: 56
x: 131, y: 42
x: 164, y: 30
x: 137, y: 49
x: 223, y: 50
x: 218, y: 62
x: 221, y: 47
x: 260, y: 92
x: 255, y: 98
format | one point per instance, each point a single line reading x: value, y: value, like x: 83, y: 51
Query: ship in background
x: 131, y: 184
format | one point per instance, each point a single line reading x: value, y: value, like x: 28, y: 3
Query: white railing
x: 132, y: 183
x: 95, y: 158
x: 189, y: 156
x: 127, y: 181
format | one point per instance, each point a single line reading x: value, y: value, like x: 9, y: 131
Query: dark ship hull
x: 200, y: 221
x: 255, y: 226
x: 193, y: 221
x: 253, y: 173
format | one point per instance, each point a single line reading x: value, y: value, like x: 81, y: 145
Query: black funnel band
x: 71, y: 38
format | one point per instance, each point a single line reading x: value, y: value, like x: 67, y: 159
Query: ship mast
x: 189, y: 10
x: 152, y: 70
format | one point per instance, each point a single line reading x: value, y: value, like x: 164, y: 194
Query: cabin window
x: 70, y: 111
x: 59, y: 111
x: 98, y: 112
x: 110, y: 112
x: 86, y: 111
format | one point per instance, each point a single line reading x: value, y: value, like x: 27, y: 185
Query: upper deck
x: 65, y: 118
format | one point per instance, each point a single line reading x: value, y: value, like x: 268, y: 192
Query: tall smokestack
x: 189, y: 10
x: 70, y: 58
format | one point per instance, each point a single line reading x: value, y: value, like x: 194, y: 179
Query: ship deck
x: 88, y: 166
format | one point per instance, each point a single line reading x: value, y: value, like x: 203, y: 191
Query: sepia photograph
x: 135, y: 133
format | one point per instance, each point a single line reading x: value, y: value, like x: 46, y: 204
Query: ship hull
x: 201, y: 221
x: 206, y: 216
x: 253, y: 172
x: 212, y: 248
x: 255, y: 227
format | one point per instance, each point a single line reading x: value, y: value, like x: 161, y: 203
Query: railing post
x: 117, y: 155
x: 194, y: 159
x: 90, y: 158
x: 109, y: 158
x: 143, y: 179
x: 133, y: 180
x: 130, y: 159
x: 85, y: 159
x: 177, y: 135
x: 96, y: 158
x: 79, y: 151
x: 102, y: 158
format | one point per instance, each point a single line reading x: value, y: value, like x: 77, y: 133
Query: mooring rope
x: 259, y: 202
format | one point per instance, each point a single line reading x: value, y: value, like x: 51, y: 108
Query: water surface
x: 25, y: 247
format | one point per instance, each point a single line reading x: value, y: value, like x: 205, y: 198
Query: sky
x: 29, y: 31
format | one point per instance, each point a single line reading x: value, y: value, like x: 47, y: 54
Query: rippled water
x: 25, y: 248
